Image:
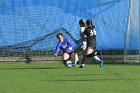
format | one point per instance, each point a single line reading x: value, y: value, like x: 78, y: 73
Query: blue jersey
x: 65, y: 46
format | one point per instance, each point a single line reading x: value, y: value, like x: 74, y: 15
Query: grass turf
x: 55, y: 78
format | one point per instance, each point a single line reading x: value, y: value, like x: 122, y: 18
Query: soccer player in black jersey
x: 90, y: 34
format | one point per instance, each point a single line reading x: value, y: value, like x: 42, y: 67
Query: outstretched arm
x: 57, y: 49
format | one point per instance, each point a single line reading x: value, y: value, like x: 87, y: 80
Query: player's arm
x: 84, y: 34
x: 81, y: 31
x: 57, y: 49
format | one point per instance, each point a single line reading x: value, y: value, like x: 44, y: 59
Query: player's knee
x: 65, y: 56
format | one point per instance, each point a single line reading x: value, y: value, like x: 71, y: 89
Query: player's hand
x: 55, y: 55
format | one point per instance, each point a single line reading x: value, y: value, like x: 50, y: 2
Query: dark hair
x: 89, y: 22
x: 59, y: 34
x: 82, y: 23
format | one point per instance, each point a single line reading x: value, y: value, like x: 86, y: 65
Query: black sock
x: 77, y: 62
x: 65, y: 62
x: 94, y: 53
x: 83, y: 61
x: 99, y: 53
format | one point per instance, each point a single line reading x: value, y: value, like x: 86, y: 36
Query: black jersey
x: 91, y: 36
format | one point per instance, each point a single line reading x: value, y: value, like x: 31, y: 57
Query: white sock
x: 95, y: 53
x: 96, y: 58
x: 75, y: 59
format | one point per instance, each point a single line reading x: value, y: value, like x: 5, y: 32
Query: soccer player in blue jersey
x: 90, y: 34
x: 66, y: 48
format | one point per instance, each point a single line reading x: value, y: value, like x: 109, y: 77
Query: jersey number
x: 91, y: 33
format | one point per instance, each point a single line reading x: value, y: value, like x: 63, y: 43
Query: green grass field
x: 54, y: 78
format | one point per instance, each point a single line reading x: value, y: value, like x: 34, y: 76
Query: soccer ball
x: 69, y: 63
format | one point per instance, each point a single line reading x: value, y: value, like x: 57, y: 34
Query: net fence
x: 28, y: 28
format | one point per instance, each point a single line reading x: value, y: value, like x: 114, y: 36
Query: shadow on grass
x: 30, y: 68
x: 117, y: 79
x: 96, y: 74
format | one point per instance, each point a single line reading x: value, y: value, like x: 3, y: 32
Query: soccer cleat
x: 81, y: 66
x: 74, y: 65
x: 101, y: 63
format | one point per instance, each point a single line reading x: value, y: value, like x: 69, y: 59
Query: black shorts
x: 91, y: 43
x: 70, y: 55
